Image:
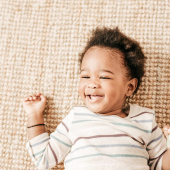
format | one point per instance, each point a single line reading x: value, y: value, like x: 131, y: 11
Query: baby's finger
x: 166, y: 134
x: 166, y: 128
x: 30, y: 98
x: 34, y: 97
x: 26, y: 99
x: 166, y: 131
x: 38, y: 94
x: 43, y: 98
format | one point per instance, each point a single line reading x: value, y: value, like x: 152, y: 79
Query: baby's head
x: 112, y: 66
x: 133, y: 57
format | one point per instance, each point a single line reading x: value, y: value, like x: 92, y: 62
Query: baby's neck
x: 119, y: 112
x: 126, y: 110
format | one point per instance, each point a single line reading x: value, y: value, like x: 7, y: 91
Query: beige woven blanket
x: 39, y: 45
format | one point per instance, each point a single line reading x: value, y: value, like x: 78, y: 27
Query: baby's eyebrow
x: 102, y: 70
x: 85, y: 69
x: 108, y: 71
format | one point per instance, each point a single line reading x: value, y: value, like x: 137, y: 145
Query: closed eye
x: 85, y: 77
x: 105, y: 78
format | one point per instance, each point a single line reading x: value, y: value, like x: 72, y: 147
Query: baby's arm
x: 46, y: 151
x: 34, y: 107
x: 166, y: 156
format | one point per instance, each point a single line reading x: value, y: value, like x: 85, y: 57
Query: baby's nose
x: 93, y: 85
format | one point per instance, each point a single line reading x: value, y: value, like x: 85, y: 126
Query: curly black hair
x: 134, y: 59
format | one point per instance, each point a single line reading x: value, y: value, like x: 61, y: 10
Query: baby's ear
x: 132, y: 85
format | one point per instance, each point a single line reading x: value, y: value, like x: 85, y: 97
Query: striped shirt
x: 88, y: 141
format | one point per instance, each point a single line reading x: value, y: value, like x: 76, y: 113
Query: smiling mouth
x: 94, y: 98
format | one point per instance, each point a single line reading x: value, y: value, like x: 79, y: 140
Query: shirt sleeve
x: 156, y: 147
x: 47, y: 151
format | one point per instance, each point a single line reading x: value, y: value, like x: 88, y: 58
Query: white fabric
x: 90, y: 141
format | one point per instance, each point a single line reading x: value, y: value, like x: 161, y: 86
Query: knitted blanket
x: 39, y: 45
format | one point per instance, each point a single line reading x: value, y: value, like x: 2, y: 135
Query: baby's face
x: 103, y: 84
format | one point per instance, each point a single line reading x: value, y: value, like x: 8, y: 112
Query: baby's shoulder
x: 137, y: 111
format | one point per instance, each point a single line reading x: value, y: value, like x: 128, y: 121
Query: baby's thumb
x: 43, y: 98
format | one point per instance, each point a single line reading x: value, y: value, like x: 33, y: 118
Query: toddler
x: 105, y: 134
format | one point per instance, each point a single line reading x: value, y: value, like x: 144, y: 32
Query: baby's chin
x: 96, y: 110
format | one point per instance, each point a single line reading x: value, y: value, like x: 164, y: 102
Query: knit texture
x: 39, y: 45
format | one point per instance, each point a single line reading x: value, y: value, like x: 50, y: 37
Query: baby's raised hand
x: 166, y: 131
x: 34, y: 105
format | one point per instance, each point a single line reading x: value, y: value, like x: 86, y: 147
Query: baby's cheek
x: 81, y: 91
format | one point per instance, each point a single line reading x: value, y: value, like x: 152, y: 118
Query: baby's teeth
x: 94, y: 97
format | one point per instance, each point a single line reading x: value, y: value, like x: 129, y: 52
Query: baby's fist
x: 34, y: 105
